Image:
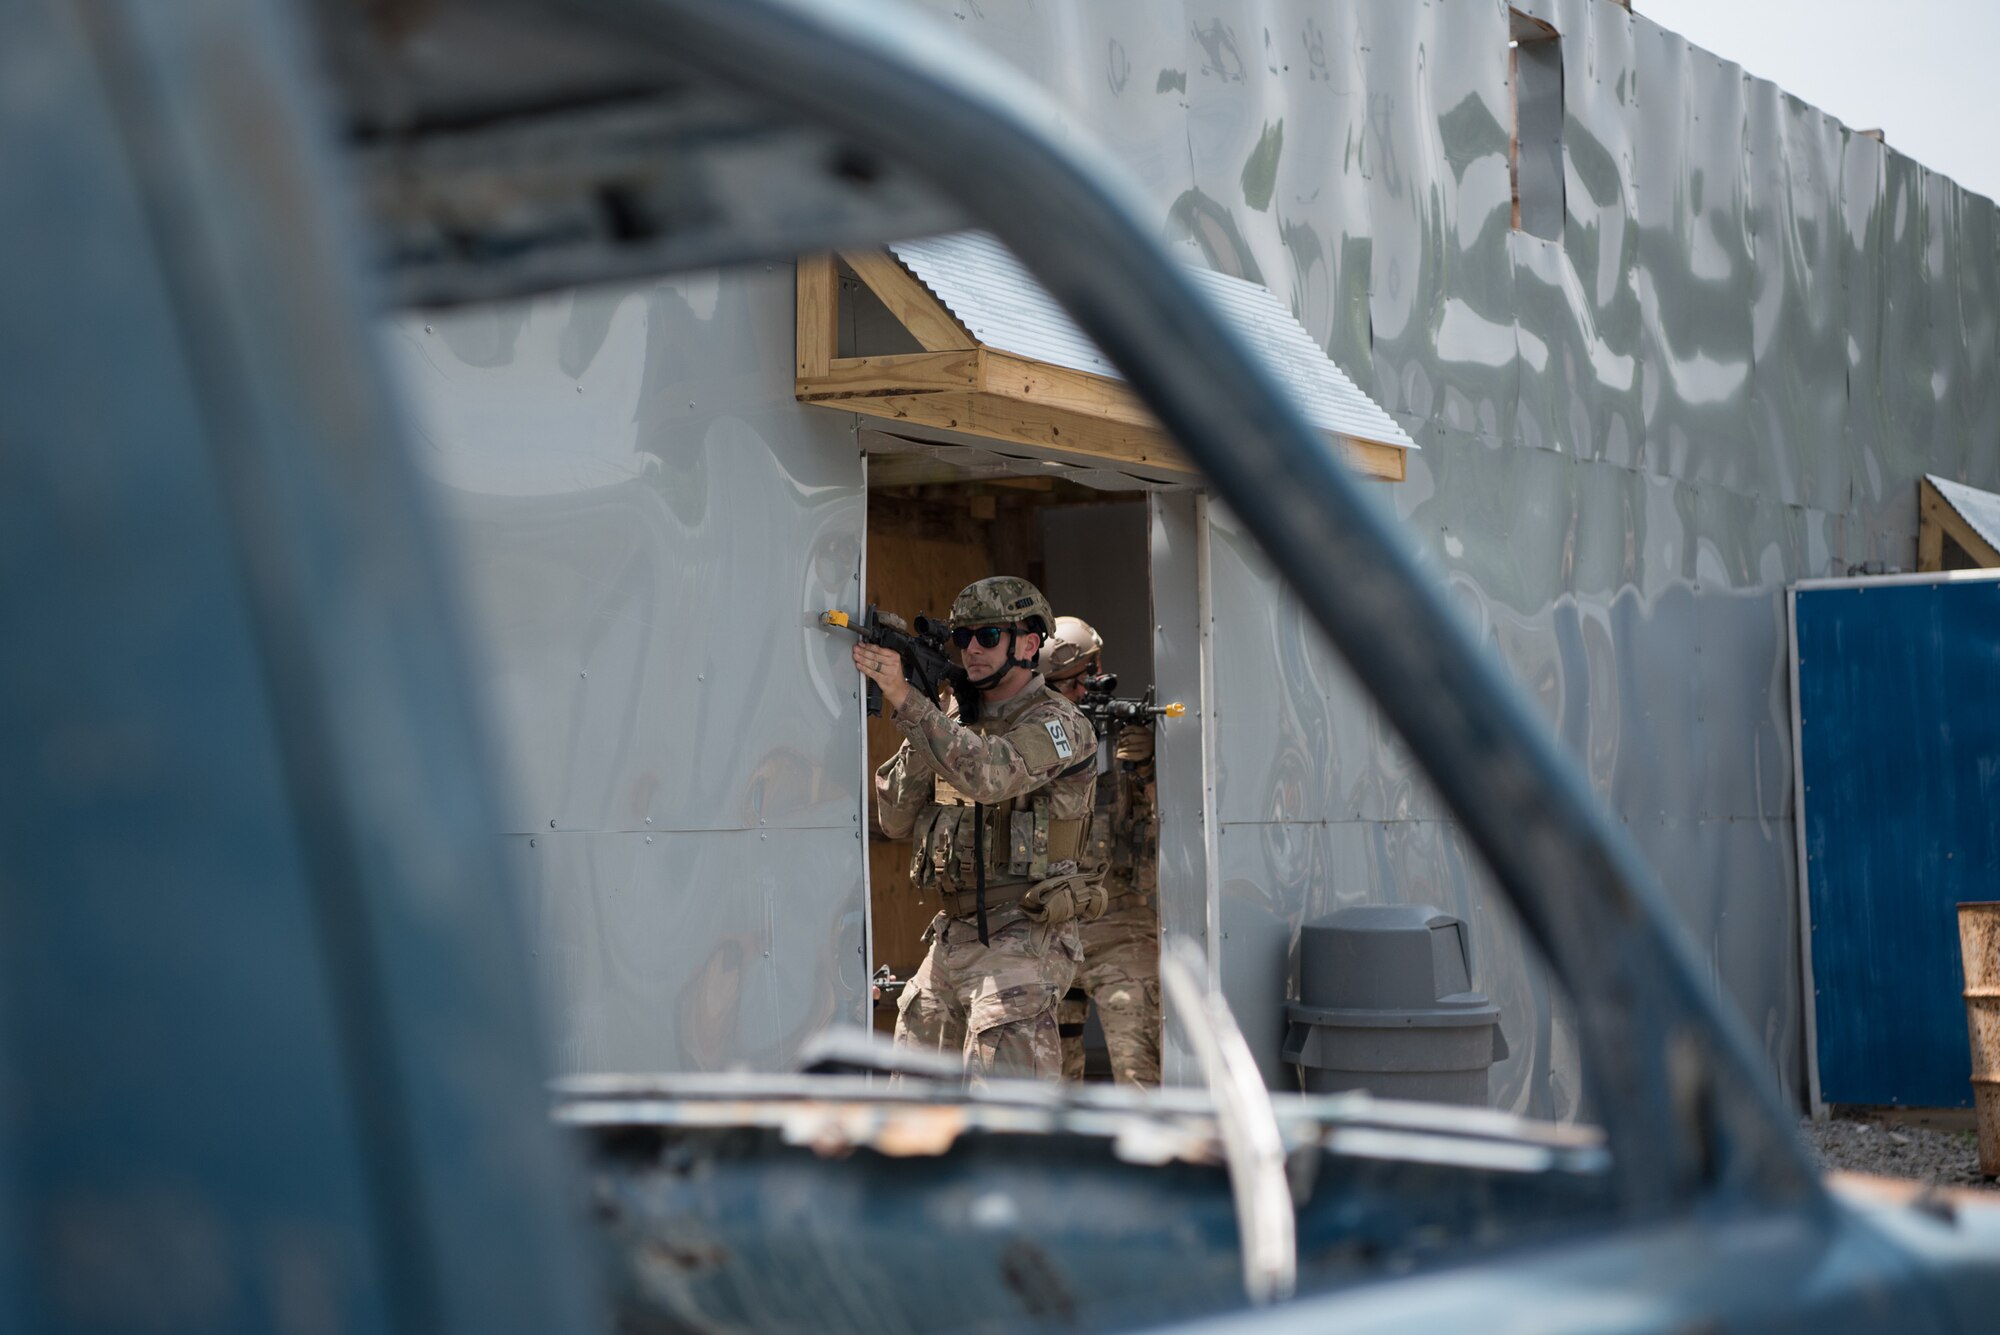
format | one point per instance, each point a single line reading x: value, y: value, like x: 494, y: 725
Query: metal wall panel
x: 1743, y: 761
x: 1864, y: 214
x: 1904, y: 361
x: 1601, y: 406
x: 1943, y: 450
x: 1271, y: 712
x: 1695, y: 261
x: 1977, y: 399
x: 648, y: 527
x: 1748, y: 937
x: 1174, y: 548
x: 1267, y: 871
x: 694, y: 951
x: 1472, y: 381
x: 1402, y: 174
x: 1799, y: 312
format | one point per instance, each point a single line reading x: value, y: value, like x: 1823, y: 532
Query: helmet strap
x: 1032, y: 660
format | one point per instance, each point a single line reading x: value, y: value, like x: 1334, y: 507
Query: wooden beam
x: 1002, y: 397
x: 913, y: 304
x: 1372, y: 459
x: 862, y: 378
x: 1039, y: 383
x: 1026, y: 424
x: 1937, y: 520
x: 1930, y: 533
x: 818, y: 314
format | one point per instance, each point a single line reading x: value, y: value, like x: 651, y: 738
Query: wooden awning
x: 1001, y: 361
x: 1966, y: 516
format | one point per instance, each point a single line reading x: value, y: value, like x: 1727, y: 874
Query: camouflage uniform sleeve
x: 902, y: 787
x: 986, y: 769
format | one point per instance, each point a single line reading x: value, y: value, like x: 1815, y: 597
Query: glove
x: 1062, y: 898
x: 1135, y: 743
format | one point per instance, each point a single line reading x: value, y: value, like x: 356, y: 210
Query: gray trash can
x: 1386, y: 1005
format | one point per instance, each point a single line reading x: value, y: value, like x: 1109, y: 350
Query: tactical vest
x: 1021, y: 840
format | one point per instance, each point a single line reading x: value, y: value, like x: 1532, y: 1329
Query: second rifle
x: 1102, y: 705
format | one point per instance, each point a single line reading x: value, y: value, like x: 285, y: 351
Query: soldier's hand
x: 885, y: 669
x: 1135, y: 743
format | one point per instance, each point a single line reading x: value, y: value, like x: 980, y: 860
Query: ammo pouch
x: 1022, y: 840
x: 1061, y: 898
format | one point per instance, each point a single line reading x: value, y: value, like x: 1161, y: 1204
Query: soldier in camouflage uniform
x: 1121, y: 948
x: 997, y: 811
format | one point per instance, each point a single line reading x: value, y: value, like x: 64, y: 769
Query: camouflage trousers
x: 995, y: 1005
x: 1121, y: 973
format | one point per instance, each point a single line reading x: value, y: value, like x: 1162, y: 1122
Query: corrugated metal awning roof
x: 1980, y: 509
x: 998, y: 300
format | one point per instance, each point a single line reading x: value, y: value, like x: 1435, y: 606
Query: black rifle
x: 926, y: 655
x: 1101, y: 707
x: 888, y: 985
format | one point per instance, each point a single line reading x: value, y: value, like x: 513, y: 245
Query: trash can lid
x: 1465, y: 1010
x: 1386, y: 957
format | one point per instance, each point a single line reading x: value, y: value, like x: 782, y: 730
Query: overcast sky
x: 1923, y: 71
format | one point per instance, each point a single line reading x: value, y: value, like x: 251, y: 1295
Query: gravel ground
x: 1948, y: 1158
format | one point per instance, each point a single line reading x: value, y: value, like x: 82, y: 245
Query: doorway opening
x: 935, y: 526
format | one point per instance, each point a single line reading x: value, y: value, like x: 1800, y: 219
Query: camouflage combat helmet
x: 1072, y: 647
x: 1002, y: 600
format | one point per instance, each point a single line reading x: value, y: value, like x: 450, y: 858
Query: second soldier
x: 1121, y: 948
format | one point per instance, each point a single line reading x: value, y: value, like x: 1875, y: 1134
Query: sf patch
x: 1056, y: 734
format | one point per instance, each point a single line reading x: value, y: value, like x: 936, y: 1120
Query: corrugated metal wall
x: 1757, y: 330
x: 1755, y: 333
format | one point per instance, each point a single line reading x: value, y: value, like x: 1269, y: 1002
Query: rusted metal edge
x: 833, y: 1127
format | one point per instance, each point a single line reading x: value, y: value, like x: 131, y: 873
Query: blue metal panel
x: 270, y: 1058
x: 173, y: 1031
x: 1900, y: 749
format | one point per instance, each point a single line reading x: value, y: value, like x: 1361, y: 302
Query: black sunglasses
x: 988, y: 636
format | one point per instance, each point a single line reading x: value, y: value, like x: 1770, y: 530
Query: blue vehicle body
x: 267, y: 1055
